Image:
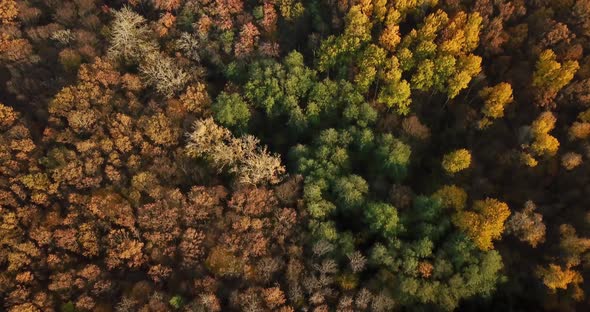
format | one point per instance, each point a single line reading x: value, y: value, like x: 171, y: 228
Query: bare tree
x: 163, y: 74
x: 357, y: 261
x: 243, y: 157
x: 130, y: 38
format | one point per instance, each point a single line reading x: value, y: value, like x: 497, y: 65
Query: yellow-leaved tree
x: 484, y: 222
x: 550, y: 76
x: 495, y: 98
x: 456, y: 161
x: 542, y: 143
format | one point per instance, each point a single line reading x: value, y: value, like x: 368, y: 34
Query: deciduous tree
x: 527, y: 225
x: 496, y: 98
x: 456, y: 161
x: 551, y: 76
x: 484, y: 223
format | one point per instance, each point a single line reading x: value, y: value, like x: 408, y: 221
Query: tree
x: 338, y: 51
x: 527, y: 225
x: 18, y: 146
x: 572, y: 246
x: 191, y: 248
x: 452, y: 196
x: 280, y: 88
x: 390, y: 37
x: 543, y: 144
x: 467, y: 67
x: 579, y: 130
x: 423, y: 78
x: 111, y: 207
x: 160, y: 129
x: 168, y: 5
x: 162, y: 72
x: 223, y: 263
x: 370, y: 60
x: 462, y: 33
x: 159, y: 222
x: 165, y: 23
x: 495, y: 100
x: 196, y: 99
x: 130, y: 38
x: 246, y: 43
x: 484, y: 223
x: 258, y: 165
x: 231, y: 111
x: 396, y: 92
x: 551, y: 76
x: 445, y: 67
x: 243, y: 157
x: 382, y: 219
x: 291, y: 9
x: 397, y: 96
x: 393, y: 155
x: 8, y: 11
x: 350, y: 191
x: 554, y: 276
x: 270, y: 17
x: 456, y: 161
x: 543, y: 124
x: 273, y: 297
x: 123, y: 250
x: 571, y: 160
x: 416, y: 129
x: 176, y: 302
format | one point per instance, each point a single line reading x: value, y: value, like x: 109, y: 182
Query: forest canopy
x: 294, y: 155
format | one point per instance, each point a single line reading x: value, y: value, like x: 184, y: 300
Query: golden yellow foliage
x: 390, y: 38
x: 7, y: 116
x: 8, y: 11
x: 495, y: 99
x: 545, y: 144
x: 555, y: 277
x: 456, y: 161
x: 452, y: 196
x: 543, y: 124
x: 484, y: 223
x: 379, y: 9
x: 366, y: 7
x: 550, y: 76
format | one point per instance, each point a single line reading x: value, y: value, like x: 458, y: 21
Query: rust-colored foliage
x: 8, y: 11
x: 168, y: 5
x: 247, y: 41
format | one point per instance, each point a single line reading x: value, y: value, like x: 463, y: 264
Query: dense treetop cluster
x: 294, y: 155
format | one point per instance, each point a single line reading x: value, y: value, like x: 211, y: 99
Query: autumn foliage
x: 294, y: 155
